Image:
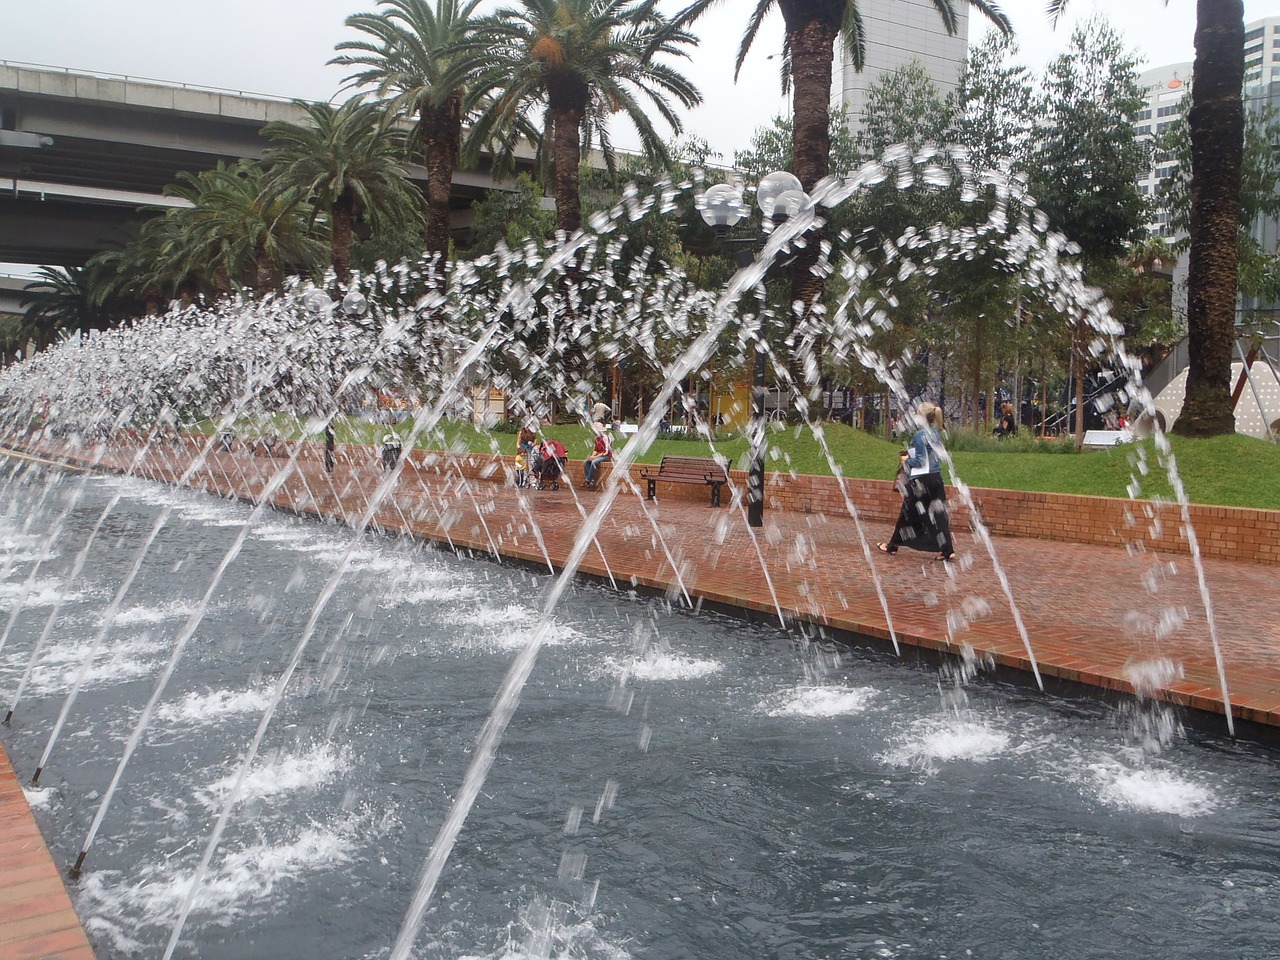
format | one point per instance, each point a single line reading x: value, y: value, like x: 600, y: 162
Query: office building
x: 897, y: 32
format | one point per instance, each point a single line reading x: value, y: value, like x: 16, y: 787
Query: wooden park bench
x: 687, y: 470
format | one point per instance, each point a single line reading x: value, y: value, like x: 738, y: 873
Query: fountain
x: 276, y: 737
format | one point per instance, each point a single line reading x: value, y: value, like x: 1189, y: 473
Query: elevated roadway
x: 112, y: 143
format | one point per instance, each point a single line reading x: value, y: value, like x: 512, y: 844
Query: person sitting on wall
x: 600, y: 452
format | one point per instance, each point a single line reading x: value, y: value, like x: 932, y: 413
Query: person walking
x: 923, y: 523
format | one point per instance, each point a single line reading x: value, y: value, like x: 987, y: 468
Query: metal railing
x: 128, y: 78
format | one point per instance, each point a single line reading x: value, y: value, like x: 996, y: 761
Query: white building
x: 897, y: 32
x: 1165, y: 102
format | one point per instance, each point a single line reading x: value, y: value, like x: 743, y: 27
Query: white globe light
x: 317, y: 301
x: 354, y: 304
x: 792, y: 203
x: 721, y: 206
x: 773, y: 187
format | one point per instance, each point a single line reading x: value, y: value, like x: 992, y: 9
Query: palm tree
x: 61, y: 299
x: 812, y: 28
x: 347, y: 162
x: 419, y: 60
x: 1216, y: 121
x: 582, y: 60
x: 242, y: 226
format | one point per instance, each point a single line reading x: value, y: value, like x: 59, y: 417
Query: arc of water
x: 109, y: 616
x: 68, y: 582
x: 662, y: 541
x: 179, y: 646
x: 820, y: 435
x: 46, y: 547
x: 38, y: 648
x: 1197, y: 560
x: 508, y: 696
x: 425, y: 425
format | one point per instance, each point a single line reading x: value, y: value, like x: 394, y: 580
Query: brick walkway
x: 36, y: 916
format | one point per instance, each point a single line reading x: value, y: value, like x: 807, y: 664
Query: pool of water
x: 674, y: 785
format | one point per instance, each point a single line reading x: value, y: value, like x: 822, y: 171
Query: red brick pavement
x: 36, y: 916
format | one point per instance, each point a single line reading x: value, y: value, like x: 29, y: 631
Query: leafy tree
x: 582, y: 61
x: 812, y: 28
x: 1087, y: 159
x: 417, y: 58
x: 346, y: 162
x: 511, y: 217
x: 994, y: 107
x: 1216, y: 123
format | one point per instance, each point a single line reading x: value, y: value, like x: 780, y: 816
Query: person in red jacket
x: 601, y: 452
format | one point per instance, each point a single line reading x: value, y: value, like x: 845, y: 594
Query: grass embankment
x: 1235, y: 470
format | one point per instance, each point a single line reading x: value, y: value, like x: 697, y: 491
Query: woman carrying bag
x: 923, y: 523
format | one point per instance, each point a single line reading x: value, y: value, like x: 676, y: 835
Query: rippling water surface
x: 673, y: 786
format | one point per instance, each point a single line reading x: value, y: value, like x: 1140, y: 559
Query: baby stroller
x: 548, y: 465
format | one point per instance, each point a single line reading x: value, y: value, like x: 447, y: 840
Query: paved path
x: 36, y: 916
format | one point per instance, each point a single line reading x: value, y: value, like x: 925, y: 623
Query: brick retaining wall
x: 1232, y: 533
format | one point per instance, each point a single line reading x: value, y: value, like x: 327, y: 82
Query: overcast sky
x: 279, y: 47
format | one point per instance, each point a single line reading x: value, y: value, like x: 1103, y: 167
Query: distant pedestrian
x: 390, y: 451
x: 923, y: 523
x: 329, y: 446
x: 1008, y: 425
x: 601, y: 412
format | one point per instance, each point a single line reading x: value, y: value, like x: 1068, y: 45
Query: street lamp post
x: 779, y: 195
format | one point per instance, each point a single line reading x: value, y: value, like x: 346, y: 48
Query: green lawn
x: 1231, y: 471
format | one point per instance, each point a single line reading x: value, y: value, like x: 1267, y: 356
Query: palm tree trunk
x: 340, y: 238
x: 445, y: 126
x: 1217, y: 136
x: 566, y: 151
x: 812, y: 41
x: 266, y: 280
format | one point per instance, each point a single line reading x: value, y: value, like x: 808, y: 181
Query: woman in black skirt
x: 923, y: 523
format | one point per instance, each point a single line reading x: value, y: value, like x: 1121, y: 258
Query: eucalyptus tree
x: 418, y: 58
x: 346, y: 161
x: 1216, y: 122
x: 581, y: 61
x: 812, y: 28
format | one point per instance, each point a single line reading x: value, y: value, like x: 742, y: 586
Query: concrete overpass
x: 116, y: 141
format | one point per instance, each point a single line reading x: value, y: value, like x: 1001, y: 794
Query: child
x: 522, y: 477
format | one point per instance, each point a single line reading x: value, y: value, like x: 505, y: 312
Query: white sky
x: 279, y: 47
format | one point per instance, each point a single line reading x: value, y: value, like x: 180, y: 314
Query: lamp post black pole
x: 722, y: 207
x: 755, y: 478
x: 756, y: 430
